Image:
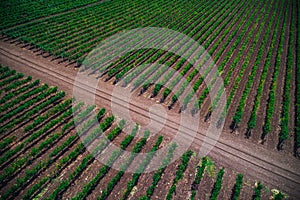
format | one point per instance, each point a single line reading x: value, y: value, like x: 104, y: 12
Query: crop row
x: 271, y: 99
x: 231, y: 35
x: 297, y: 113
x: 136, y: 149
x: 59, y: 108
x: 16, y: 121
x: 119, y: 75
x: 199, y: 36
x: 14, y: 93
x: 217, y: 186
x: 88, y: 160
x: 14, y: 11
x: 185, y: 158
x: 20, y: 162
x: 260, y: 89
x: 184, y: 70
x: 59, y: 150
x: 85, y: 41
x: 29, y: 103
x: 35, y: 135
x: 284, y: 122
x: 156, y: 176
x: 104, y: 169
x: 200, y: 169
x: 6, y: 72
x: 204, y: 94
x: 228, y: 77
x: 244, y: 66
x: 240, y: 109
x: 23, y: 97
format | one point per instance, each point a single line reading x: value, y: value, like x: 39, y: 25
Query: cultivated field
x: 254, y: 45
x: 43, y: 155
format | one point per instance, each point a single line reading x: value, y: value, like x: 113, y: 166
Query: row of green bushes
x: 131, y: 183
x: 11, y: 124
x: 156, y: 176
x: 217, y: 186
x: 260, y: 89
x: 238, y: 115
x: 27, y: 104
x: 23, y: 97
x: 228, y: 79
x: 273, y: 87
x: 6, y: 73
x: 240, y: 109
x: 103, y: 170
x: 19, y: 91
x: 82, y: 166
x: 284, y: 122
x: 36, y: 135
x: 17, y: 84
x: 11, y: 79
x: 136, y: 149
x: 200, y: 169
x: 58, y: 150
x: 27, y: 159
x: 204, y: 94
x: 185, y: 158
x: 30, y: 174
x: 197, y: 84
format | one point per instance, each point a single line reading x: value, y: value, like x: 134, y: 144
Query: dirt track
x: 275, y: 169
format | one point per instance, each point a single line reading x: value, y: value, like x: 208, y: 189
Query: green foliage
x: 136, y: 149
x: 35, y: 135
x: 11, y: 79
x: 51, y: 112
x: 202, y: 97
x: 29, y: 103
x: 297, y: 120
x: 32, y: 111
x: 257, y: 191
x: 260, y: 89
x: 7, y: 73
x: 237, y: 187
x: 271, y: 99
x: 217, y: 186
x: 101, y: 113
x: 143, y: 165
x: 80, y: 168
x: 16, y: 84
x: 199, y: 175
x: 185, y: 158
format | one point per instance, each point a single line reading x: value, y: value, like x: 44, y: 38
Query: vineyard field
x: 46, y: 147
x: 252, y: 71
x: 224, y: 74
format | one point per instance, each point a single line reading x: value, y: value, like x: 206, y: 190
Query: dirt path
x: 277, y: 170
